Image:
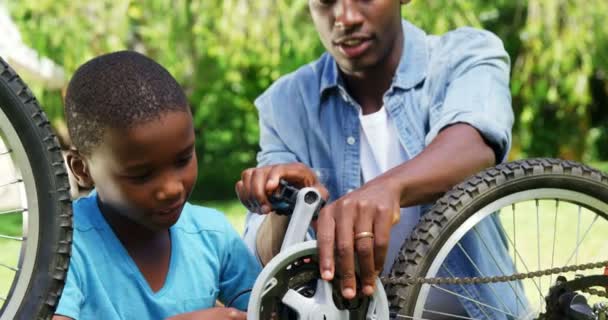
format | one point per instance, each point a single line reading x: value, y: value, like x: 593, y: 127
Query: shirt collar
x: 412, y: 66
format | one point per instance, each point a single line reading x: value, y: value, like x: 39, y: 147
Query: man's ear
x: 79, y: 168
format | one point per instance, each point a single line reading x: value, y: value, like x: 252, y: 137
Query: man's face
x: 146, y: 173
x: 359, y: 34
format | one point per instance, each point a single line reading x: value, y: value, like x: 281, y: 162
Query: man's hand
x: 217, y: 313
x: 358, y: 222
x: 257, y: 184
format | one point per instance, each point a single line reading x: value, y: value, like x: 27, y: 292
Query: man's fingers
x: 345, y: 255
x: 246, y: 190
x: 364, y: 245
x: 295, y: 173
x: 258, y: 189
x: 382, y: 229
x: 325, y: 242
x: 238, y: 189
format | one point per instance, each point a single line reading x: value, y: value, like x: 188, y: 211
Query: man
x: 387, y: 120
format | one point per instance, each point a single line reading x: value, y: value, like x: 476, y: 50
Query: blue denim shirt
x: 461, y: 77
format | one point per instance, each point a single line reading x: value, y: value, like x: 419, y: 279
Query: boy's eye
x: 140, y: 178
x: 325, y: 2
x: 182, y: 162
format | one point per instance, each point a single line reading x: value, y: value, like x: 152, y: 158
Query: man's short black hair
x: 118, y: 90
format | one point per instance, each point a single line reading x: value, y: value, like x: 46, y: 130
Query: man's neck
x: 368, y: 86
x: 368, y: 90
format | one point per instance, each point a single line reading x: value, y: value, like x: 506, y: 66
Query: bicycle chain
x: 496, y: 279
x: 596, y: 292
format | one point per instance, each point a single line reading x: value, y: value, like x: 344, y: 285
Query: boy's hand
x: 257, y: 184
x: 216, y: 313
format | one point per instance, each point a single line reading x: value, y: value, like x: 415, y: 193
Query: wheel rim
x: 585, y: 204
x: 24, y: 182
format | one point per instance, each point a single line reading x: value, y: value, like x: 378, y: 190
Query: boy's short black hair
x: 118, y: 90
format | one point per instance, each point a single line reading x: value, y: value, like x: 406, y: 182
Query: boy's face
x: 146, y: 172
x: 358, y: 34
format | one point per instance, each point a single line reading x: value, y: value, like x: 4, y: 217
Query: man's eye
x: 326, y: 2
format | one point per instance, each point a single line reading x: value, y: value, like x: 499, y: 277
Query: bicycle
x: 548, y: 190
x: 35, y: 256
x: 556, y: 287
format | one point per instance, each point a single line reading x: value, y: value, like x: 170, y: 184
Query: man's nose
x: 347, y: 14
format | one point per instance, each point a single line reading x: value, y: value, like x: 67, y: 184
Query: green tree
x: 226, y: 53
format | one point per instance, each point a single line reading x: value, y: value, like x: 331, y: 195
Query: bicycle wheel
x: 35, y: 214
x: 519, y: 217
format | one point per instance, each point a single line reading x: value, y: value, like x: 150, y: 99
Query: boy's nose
x: 170, y: 190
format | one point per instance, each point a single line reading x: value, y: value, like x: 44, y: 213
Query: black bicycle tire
x: 53, y: 195
x: 465, y: 199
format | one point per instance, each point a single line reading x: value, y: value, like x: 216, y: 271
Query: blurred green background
x: 226, y: 52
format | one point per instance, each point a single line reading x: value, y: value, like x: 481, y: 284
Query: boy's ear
x: 79, y: 168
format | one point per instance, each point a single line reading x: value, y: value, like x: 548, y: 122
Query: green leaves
x: 226, y: 53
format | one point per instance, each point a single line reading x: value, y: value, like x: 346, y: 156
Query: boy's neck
x: 149, y: 250
x: 127, y: 231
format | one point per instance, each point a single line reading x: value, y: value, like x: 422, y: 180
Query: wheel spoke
x: 12, y: 211
x: 514, y: 244
x: 578, y: 230
x: 520, y: 258
x: 498, y: 265
x: 583, y: 239
x: 481, y: 274
x: 11, y: 183
x: 514, y: 237
x: 465, y: 290
x: 401, y: 316
x: 554, y: 239
x: 540, y: 282
x: 11, y: 238
x: 473, y: 300
x: 9, y: 267
x: 452, y: 316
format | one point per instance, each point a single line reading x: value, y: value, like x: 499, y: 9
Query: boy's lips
x: 171, y: 211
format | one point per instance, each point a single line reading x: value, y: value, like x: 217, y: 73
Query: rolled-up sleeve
x: 273, y: 150
x: 476, y: 89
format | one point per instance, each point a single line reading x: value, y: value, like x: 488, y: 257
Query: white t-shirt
x: 381, y: 150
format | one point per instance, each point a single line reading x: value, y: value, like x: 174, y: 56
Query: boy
x: 140, y: 250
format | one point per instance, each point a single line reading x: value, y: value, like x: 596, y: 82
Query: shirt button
x: 350, y: 140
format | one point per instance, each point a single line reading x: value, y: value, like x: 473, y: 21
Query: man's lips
x: 351, y: 39
x: 353, y: 47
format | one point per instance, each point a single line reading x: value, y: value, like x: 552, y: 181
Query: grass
x: 233, y: 209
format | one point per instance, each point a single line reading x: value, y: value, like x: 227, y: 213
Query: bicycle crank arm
x: 289, y: 287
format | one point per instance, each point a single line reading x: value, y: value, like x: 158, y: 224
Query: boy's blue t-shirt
x: 209, y: 262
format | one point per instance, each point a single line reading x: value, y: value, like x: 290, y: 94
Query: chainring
x: 290, y: 287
